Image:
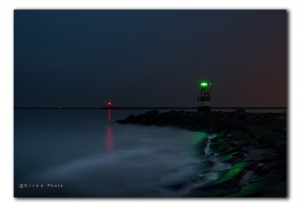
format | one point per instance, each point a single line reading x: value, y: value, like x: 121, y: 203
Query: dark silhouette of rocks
x: 246, y: 158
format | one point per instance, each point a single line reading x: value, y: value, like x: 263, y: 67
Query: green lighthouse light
x: 204, y: 84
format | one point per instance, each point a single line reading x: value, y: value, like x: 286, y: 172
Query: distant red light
x: 109, y: 103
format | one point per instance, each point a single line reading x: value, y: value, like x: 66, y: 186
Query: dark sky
x: 149, y: 58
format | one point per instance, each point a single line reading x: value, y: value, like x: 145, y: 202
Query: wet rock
x: 232, y: 177
x: 261, y: 169
x: 199, y: 116
x: 232, y: 189
x: 239, y: 142
x: 262, y: 154
x: 219, y: 145
x: 220, y: 126
x: 246, y: 178
x: 275, y: 123
x: 197, y: 127
x: 142, y: 119
x: 250, y: 190
x: 232, y: 150
x: 241, y: 138
x: 182, y: 113
x: 151, y: 113
x: 280, y: 143
x: 239, y: 113
x: 277, y: 164
x: 232, y: 157
x: 129, y: 119
x: 218, y: 138
x: 265, y: 136
x: 275, y: 190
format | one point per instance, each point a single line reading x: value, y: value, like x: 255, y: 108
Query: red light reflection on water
x: 109, y: 139
x: 109, y: 135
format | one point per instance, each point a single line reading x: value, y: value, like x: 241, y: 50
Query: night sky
x: 149, y: 58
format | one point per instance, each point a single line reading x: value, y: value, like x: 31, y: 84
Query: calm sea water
x: 89, y: 154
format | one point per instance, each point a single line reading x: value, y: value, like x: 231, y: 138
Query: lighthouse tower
x: 204, y: 96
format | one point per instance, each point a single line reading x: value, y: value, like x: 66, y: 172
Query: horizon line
x: 151, y: 107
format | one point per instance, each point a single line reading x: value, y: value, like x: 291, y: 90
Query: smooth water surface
x: 89, y: 154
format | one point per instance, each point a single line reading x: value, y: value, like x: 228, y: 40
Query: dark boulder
x: 239, y: 113
x: 261, y: 169
x: 151, y: 113
x: 129, y: 119
x: 264, y: 154
x: 219, y: 146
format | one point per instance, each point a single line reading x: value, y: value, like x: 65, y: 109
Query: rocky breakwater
x: 243, y: 154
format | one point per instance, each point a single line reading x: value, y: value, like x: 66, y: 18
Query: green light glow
x: 233, y: 172
x: 199, y: 137
x: 203, y: 84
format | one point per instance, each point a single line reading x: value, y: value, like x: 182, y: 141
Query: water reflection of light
x: 109, y: 136
x: 108, y: 114
x: 109, y: 139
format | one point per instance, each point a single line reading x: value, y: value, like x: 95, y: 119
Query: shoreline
x: 247, y: 157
